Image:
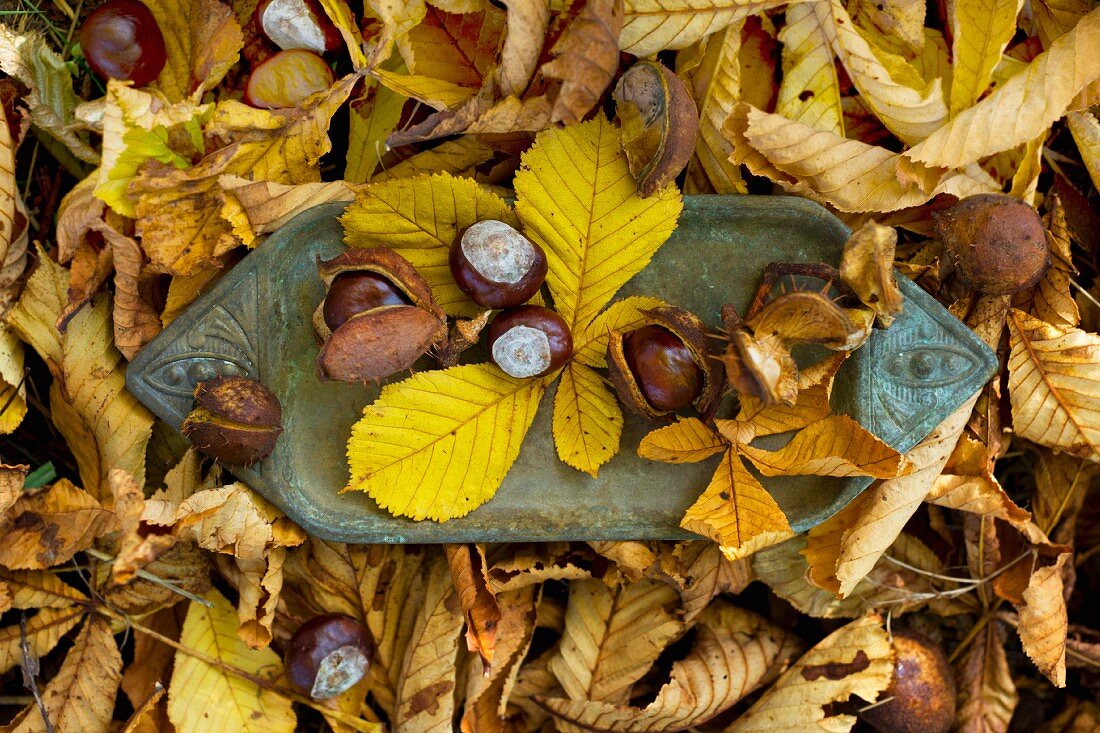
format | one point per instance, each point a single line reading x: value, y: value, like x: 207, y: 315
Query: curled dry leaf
x: 136, y: 546
x: 612, y: 637
x: 856, y: 659
x: 833, y: 446
x: 42, y: 633
x: 11, y: 484
x: 700, y: 572
x: 867, y: 267
x: 48, y: 527
x: 586, y: 58
x: 202, y: 41
x: 479, y: 603
x: 734, y: 652
x: 13, y: 232
x: 987, y: 693
x: 656, y: 25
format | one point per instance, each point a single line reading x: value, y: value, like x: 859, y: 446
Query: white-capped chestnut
x: 496, y: 265
x: 297, y: 24
x: 529, y: 341
x: 328, y: 655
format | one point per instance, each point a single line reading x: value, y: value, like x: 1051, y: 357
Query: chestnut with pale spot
x: 328, y: 655
x: 496, y: 265
x: 297, y: 24
x: 529, y: 341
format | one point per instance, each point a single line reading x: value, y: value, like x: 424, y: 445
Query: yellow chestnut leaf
x: 1086, y: 133
x: 202, y: 41
x: 13, y: 389
x: 810, y: 90
x: 438, y: 444
x: 834, y: 446
x: 1054, y: 385
x: 650, y: 26
x: 590, y: 347
x: 230, y: 702
x: 578, y: 201
x: 1032, y: 101
x: 856, y: 659
x: 588, y: 421
x: 419, y: 218
x: 371, y: 119
x: 982, y: 29
x: 341, y: 16
x: 436, y: 93
x: 815, y: 386
x: 687, y: 440
x: 737, y: 512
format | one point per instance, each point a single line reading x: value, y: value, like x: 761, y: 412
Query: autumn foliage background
x: 142, y: 588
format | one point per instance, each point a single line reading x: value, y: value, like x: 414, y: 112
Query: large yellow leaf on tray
x: 588, y: 421
x: 577, y: 200
x: 439, y: 444
x: 206, y: 697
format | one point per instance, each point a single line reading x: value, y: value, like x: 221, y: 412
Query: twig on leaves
x: 29, y: 665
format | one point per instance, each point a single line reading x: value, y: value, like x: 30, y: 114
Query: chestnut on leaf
x: 236, y: 420
x: 378, y: 316
x: 121, y: 40
x: 287, y: 79
x: 496, y: 265
x: 328, y: 655
x: 663, y: 366
x: 529, y: 341
x: 922, y: 692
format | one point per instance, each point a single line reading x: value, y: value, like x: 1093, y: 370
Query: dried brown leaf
x: 867, y: 267
x: 586, y: 58
x: 43, y: 632
x: 48, y: 527
x: 11, y: 484
x: 479, y: 603
x: 987, y: 694
x: 833, y: 446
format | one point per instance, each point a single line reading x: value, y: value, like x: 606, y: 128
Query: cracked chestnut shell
x: 374, y: 339
x: 496, y: 265
x: 923, y: 689
x: 998, y: 244
x: 529, y: 341
x: 328, y: 655
x: 235, y: 420
x: 663, y: 366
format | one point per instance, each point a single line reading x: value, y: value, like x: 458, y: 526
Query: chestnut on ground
x: 496, y: 265
x: 121, y: 40
x: 328, y: 655
x: 287, y: 79
x: 663, y: 366
x: 923, y: 689
x: 378, y: 316
x: 529, y: 341
x: 293, y: 24
x: 236, y: 420
x: 997, y: 243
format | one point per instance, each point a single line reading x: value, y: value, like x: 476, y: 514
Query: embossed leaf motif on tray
x: 902, y: 383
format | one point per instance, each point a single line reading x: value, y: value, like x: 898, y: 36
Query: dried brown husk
x: 805, y: 316
x: 659, y: 124
x: 376, y: 343
x: 687, y: 327
x: 762, y: 368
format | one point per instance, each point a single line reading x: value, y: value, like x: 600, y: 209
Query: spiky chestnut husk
x: 328, y: 655
x: 236, y: 420
x: 997, y: 243
x: 923, y: 689
x: 686, y: 327
x: 377, y: 342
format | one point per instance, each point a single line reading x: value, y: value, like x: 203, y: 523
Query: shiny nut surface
x: 121, y: 40
x: 352, y: 293
x: 287, y: 79
x: 529, y: 341
x: 235, y: 420
x: 328, y: 655
x: 663, y: 367
x: 496, y: 265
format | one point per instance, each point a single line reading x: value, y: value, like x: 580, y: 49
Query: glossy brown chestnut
x: 297, y: 24
x: 236, y: 420
x: 663, y: 367
x: 496, y: 265
x: 352, y: 293
x: 922, y: 691
x: 287, y: 79
x: 328, y: 655
x: 529, y: 341
x: 121, y: 40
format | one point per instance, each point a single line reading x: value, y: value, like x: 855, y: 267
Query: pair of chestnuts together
x: 498, y: 268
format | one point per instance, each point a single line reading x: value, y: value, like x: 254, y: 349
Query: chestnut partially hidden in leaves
x: 663, y: 366
x: 496, y: 265
x: 328, y: 655
x: 121, y: 40
x: 236, y: 420
x: 293, y: 24
x: 529, y: 341
x: 997, y: 243
x: 923, y: 689
x: 378, y: 316
x: 287, y: 79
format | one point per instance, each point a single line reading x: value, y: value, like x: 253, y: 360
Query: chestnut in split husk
x: 121, y: 40
x: 328, y: 655
x: 663, y: 366
x: 529, y: 341
x: 293, y: 24
x: 287, y: 79
x: 923, y: 689
x: 496, y: 265
x: 236, y: 420
x: 998, y: 244
x: 384, y: 322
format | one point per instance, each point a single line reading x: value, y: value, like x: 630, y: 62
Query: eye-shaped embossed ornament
x: 179, y: 373
x: 930, y: 365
